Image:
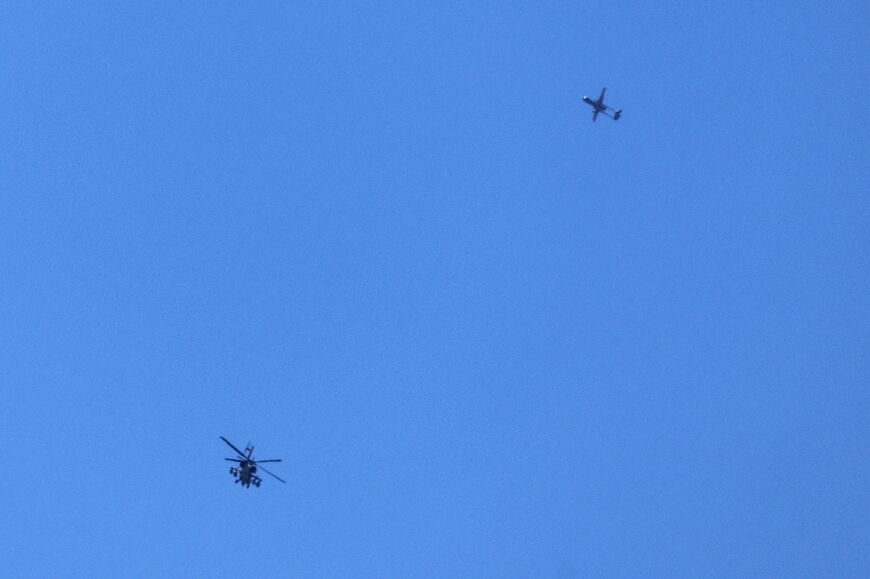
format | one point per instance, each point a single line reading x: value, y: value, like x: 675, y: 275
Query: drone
x: 246, y: 472
x: 598, y: 106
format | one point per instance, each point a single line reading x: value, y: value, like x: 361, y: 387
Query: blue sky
x: 386, y: 243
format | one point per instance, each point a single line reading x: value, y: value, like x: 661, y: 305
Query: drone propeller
x: 275, y: 476
x: 242, y: 454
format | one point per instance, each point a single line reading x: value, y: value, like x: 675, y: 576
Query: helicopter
x: 246, y: 472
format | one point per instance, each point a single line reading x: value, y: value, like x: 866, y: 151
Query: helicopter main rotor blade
x: 234, y: 460
x: 242, y: 454
x: 263, y: 468
x: 268, y: 460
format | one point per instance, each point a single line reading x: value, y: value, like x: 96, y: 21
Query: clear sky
x: 386, y: 243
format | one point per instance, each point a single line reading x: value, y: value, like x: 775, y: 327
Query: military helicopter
x: 246, y: 472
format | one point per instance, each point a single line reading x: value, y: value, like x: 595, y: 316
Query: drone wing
x: 273, y: 475
x: 242, y: 454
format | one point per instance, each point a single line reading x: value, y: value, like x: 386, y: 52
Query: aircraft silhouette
x: 246, y: 472
x: 598, y: 106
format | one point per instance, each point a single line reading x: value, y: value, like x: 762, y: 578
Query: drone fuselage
x: 598, y: 107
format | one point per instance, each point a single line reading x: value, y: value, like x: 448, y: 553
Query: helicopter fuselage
x: 245, y: 473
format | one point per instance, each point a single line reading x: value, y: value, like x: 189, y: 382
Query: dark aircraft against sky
x: 598, y: 106
x: 246, y: 472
